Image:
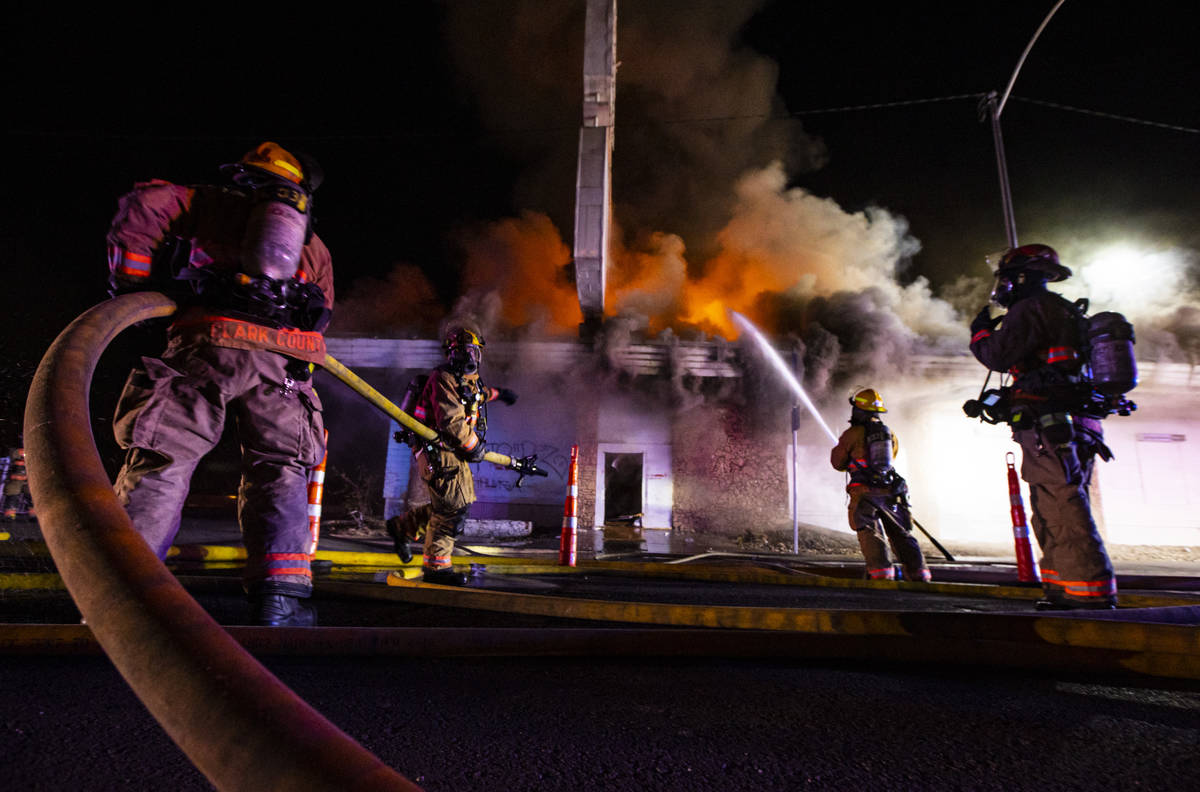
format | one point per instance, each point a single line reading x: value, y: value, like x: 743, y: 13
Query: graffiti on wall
x: 497, y: 484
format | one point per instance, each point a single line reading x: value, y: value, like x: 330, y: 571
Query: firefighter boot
x: 443, y: 576
x: 281, y: 610
x: 395, y: 528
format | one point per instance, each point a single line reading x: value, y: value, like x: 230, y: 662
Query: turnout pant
x: 871, y: 528
x: 172, y: 412
x: 451, y: 493
x: 1075, y: 564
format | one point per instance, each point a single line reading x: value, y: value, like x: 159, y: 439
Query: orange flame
x: 526, y: 262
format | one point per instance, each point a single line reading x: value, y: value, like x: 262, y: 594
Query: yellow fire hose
x: 240, y: 726
x: 525, y: 466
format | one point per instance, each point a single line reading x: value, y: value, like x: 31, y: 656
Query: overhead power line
x: 909, y: 102
x: 884, y: 105
x: 1112, y: 116
x: 441, y: 131
x: 815, y: 111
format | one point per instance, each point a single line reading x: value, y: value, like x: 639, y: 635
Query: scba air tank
x: 1113, y: 364
x: 879, y: 447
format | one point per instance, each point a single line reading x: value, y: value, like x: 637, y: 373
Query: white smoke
x: 1155, y: 284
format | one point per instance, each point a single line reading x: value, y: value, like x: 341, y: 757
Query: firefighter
x: 451, y: 402
x: 1039, y: 343
x: 878, y: 495
x: 254, y: 286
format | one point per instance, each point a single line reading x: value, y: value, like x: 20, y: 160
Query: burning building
x: 696, y: 437
x: 624, y: 345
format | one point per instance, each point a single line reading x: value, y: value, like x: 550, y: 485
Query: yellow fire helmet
x: 270, y: 162
x: 462, y: 335
x: 868, y: 399
x: 274, y: 158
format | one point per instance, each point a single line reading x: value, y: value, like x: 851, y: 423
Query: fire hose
x: 240, y: 726
x: 524, y: 466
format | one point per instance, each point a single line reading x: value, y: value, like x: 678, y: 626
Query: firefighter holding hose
x: 254, y: 286
x: 1041, y: 342
x: 878, y: 495
x: 451, y: 400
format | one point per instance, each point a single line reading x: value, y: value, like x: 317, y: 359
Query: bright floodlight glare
x: 1109, y: 269
x: 782, y: 368
x: 1134, y: 279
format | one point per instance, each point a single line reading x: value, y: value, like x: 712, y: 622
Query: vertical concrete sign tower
x: 593, y: 181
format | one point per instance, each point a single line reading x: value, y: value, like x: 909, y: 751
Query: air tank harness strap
x: 863, y: 475
x: 289, y: 302
x: 474, y: 402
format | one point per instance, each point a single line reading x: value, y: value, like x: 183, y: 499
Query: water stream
x: 782, y: 367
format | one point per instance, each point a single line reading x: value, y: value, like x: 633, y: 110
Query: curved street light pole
x: 993, y: 106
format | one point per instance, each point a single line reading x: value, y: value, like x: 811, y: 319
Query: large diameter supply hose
x: 242, y: 727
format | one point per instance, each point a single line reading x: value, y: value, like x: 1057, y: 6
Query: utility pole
x: 991, y: 107
x: 593, y: 181
x: 795, y: 462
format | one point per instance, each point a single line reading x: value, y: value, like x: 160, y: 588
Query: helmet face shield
x: 465, y: 358
x: 1003, y: 290
x: 1013, y: 285
x: 464, y: 349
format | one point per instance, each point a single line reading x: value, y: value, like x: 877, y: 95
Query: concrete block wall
x: 728, y: 477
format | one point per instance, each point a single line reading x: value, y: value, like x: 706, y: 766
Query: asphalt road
x: 545, y: 723
x: 572, y: 724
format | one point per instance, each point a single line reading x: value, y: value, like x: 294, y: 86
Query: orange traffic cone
x: 16, y: 487
x: 1027, y: 569
x: 316, y: 493
x: 570, y: 523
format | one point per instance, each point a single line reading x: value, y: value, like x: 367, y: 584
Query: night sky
x: 431, y: 119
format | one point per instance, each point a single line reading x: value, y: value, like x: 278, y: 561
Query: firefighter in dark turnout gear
x: 451, y: 402
x: 878, y: 495
x: 255, y: 290
x: 1039, y: 341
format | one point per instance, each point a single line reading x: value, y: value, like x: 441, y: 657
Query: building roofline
x: 706, y: 359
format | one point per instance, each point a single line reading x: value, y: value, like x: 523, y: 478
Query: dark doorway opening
x: 622, y: 489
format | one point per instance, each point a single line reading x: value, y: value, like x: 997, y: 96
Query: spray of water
x: 777, y: 361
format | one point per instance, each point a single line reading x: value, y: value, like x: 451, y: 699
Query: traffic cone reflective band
x: 1027, y: 570
x: 16, y: 487
x: 4, y: 467
x: 570, y: 523
x: 316, y: 492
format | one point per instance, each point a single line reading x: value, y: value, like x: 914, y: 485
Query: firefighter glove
x: 984, y: 321
x: 507, y: 396
x: 118, y: 285
x: 474, y: 455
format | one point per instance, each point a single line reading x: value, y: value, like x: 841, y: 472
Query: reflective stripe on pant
x: 172, y: 413
x: 871, y: 530
x: 1075, y: 564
